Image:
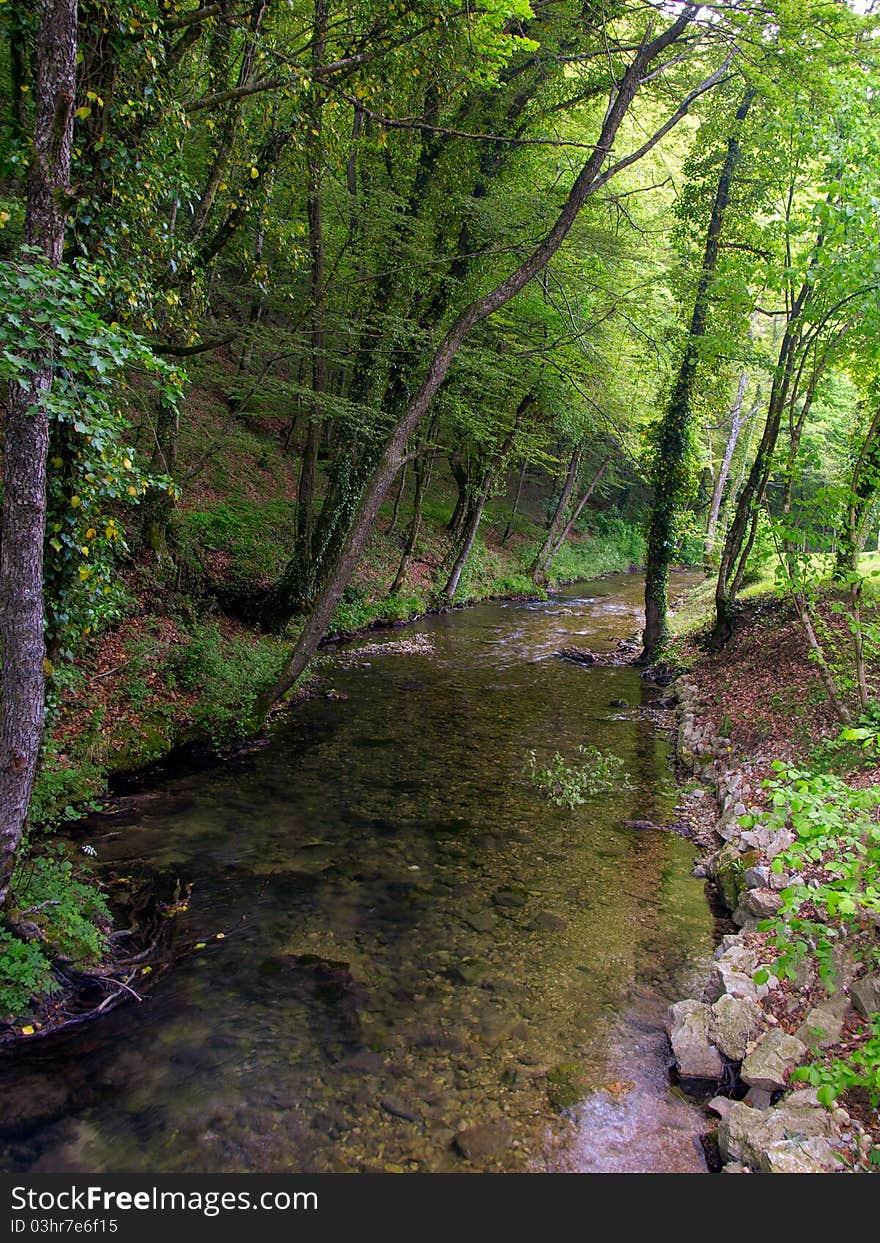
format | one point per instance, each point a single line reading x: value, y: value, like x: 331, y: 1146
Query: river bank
x: 792, y: 992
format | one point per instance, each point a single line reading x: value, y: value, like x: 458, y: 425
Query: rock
x: 363, y: 1063
x: 799, y: 1156
x: 759, y: 1098
x: 720, y: 1105
x: 581, y: 655
x: 481, y: 921
x: 762, y: 903
x: 729, y: 868
x: 747, y: 1134
x: 820, y: 1029
x: 733, y: 1022
x: 467, y: 971
x: 770, y: 1060
x: 510, y: 897
x: 547, y: 921
x: 734, y: 983
x: 803, y: 1098
x: 757, y: 877
x: 486, y: 1139
x: 865, y: 994
x: 565, y: 1085
x: 735, y: 1167
x: 695, y: 1056
x: 399, y: 1109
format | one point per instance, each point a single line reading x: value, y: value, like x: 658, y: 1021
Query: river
x: 415, y: 942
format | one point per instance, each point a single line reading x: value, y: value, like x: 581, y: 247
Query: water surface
x: 415, y: 940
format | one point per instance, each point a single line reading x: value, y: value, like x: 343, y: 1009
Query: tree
x: 593, y: 175
x: 26, y: 443
x: 669, y: 475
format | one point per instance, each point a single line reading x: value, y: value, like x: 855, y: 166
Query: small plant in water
x: 570, y: 785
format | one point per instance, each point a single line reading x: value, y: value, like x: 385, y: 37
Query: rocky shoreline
x: 734, y: 1037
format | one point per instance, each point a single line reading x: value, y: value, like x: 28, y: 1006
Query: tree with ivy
x: 26, y: 443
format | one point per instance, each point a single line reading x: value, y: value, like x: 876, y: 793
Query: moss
x: 566, y: 1085
x: 730, y: 869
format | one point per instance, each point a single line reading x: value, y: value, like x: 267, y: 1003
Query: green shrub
x: 255, y: 537
x: 25, y: 973
x: 73, y: 915
x: 228, y: 672
x: 611, y: 545
x: 837, y: 840
x: 859, y: 1069
x: 53, y: 912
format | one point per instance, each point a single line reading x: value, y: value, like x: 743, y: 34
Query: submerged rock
x: 565, y: 1085
x: 399, y: 1109
x: 486, y: 1139
x: 548, y: 921
x: 510, y: 897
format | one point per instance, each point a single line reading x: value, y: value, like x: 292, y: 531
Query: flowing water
x: 415, y: 940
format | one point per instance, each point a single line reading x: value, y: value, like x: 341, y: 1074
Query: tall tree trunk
x: 736, y: 423
x: 461, y: 475
x: 308, y: 475
x: 401, y: 485
x: 516, y: 500
x: 744, y: 524
x: 26, y: 440
x: 579, y: 509
x: 539, y: 565
x: 423, y: 475
x: 862, y: 490
x: 590, y: 179
x: 669, y: 474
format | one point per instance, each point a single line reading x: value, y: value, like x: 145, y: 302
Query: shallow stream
x: 415, y: 941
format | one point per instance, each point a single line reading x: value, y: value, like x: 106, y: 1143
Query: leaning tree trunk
x: 26, y: 441
x: 744, y: 524
x: 590, y: 179
x: 669, y: 475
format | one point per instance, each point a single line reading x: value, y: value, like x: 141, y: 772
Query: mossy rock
x: 566, y: 1085
x: 730, y: 869
x: 140, y: 743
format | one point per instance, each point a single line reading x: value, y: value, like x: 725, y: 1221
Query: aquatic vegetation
x: 572, y: 784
